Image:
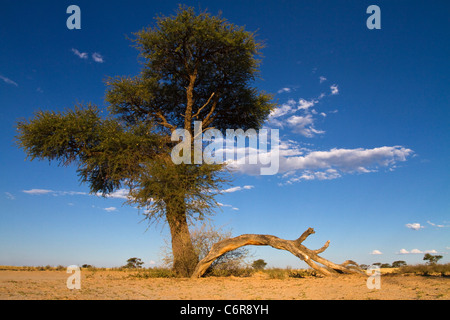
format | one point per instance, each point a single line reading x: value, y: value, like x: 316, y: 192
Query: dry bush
x: 426, y: 269
x: 203, y: 238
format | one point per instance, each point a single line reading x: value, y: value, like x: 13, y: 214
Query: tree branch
x: 209, y: 119
x: 293, y: 246
x: 164, y: 121
x: 200, y: 110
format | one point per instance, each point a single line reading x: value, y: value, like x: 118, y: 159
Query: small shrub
x: 154, y: 273
x: 426, y: 269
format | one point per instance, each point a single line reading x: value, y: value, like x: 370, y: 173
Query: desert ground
x: 119, y: 285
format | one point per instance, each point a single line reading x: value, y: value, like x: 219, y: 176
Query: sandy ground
x: 43, y: 285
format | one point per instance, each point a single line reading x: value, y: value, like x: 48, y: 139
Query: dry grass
x: 43, y: 283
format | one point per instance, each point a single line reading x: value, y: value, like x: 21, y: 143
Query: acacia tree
x: 195, y: 67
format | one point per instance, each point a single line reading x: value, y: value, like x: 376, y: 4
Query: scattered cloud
x: 10, y: 196
x: 303, y: 125
x: 239, y: 188
x: 334, y: 89
x: 110, y: 209
x: 416, y: 251
x: 282, y: 90
x: 97, y: 57
x: 306, y: 104
x: 437, y: 225
x: 299, y: 116
x: 118, y: 194
x: 414, y: 226
x: 81, y: 55
x: 8, y: 81
x: 322, y: 79
x: 38, y: 191
x: 297, y: 164
x: 227, y: 205
x: 375, y: 252
x: 285, y: 108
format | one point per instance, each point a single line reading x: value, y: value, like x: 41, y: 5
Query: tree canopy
x: 195, y: 67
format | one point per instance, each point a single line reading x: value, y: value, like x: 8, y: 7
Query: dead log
x: 293, y: 246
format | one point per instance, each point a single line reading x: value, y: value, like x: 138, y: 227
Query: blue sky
x: 363, y: 118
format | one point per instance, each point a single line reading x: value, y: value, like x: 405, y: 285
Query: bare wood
x: 210, y: 117
x: 164, y: 121
x: 200, y: 110
x: 305, y: 235
x: 293, y: 246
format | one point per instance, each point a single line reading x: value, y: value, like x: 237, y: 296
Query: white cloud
x: 81, y: 55
x: 54, y: 193
x: 414, y: 226
x: 303, y: 125
x: 322, y: 79
x: 299, y: 164
x: 282, y: 90
x: 436, y: 225
x: 306, y: 104
x: 347, y: 160
x: 227, y: 205
x: 416, y: 251
x: 38, y: 191
x: 8, y: 81
x: 118, y: 194
x: 334, y: 89
x: 301, y: 116
x: 110, y: 209
x: 282, y: 110
x: 375, y: 252
x: 97, y: 57
x: 239, y: 188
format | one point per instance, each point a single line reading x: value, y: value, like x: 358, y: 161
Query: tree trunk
x: 293, y: 246
x: 184, y: 256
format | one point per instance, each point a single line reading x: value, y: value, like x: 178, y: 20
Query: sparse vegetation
x: 432, y: 259
x: 203, y: 238
x: 259, y: 264
x: 134, y: 263
x: 426, y: 269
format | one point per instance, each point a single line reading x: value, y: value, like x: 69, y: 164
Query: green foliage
x: 216, y: 59
x: 195, y: 68
x: 105, y: 151
x: 426, y: 269
x: 432, y: 259
x: 398, y: 263
x: 132, y: 146
x: 259, y: 264
x: 134, y: 263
